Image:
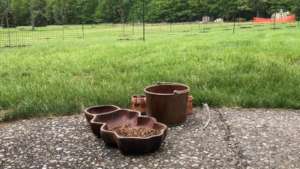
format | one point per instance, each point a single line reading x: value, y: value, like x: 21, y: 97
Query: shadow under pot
x: 167, y: 102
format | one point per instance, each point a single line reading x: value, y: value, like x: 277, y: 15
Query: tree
x: 2, y: 12
x: 296, y: 7
x: 180, y: 11
x: 159, y: 11
x: 199, y: 8
x: 244, y: 10
x: 86, y: 10
x: 41, y: 12
x: 106, y: 11
x: 37, y: 10
x: 259, y: 6
x: 7, y: 16
x: 21, y: 12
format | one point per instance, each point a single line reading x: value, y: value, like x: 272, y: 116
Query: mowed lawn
x: 251, y: 68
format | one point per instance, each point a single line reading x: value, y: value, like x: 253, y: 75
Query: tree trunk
x: 2, y: 21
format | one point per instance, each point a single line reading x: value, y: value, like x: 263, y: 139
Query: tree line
x: 47, y: 12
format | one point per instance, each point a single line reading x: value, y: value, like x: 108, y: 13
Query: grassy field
x: 255, y: 67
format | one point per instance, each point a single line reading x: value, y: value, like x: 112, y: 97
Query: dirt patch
x: 3, y: 114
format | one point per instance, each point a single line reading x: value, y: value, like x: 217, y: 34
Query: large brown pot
x: 167, y: 102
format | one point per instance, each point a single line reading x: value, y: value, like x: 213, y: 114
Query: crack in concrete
x: 232, y: 143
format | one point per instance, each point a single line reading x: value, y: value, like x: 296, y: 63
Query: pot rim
x: 86, y: 110
x: 187, y: 90
x: 93, y: 121
x: 135, y: 96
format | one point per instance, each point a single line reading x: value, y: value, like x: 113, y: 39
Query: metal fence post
x: 8, y: 31
x: 63, y: 32
x: 7, y: 23
x: 133, y: 26
x: 144, y: 31
x: 82, y: 29
x: 234, y: 24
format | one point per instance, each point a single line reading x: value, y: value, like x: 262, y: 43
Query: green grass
x: 252, y: 68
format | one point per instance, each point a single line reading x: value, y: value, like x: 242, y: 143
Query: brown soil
x: 128, y: 131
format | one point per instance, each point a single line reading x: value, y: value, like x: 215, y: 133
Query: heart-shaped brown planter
x: 99, y: 120
x: 131, y: 132
x: 92, y: 112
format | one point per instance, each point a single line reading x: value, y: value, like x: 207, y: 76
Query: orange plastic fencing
x: 287, y: 19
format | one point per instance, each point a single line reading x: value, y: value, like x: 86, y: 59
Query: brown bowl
x: 135, y: 144
x: 92, y: 112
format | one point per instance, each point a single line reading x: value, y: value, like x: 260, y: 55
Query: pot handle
x: 163, y: 83
x: 178, y: 92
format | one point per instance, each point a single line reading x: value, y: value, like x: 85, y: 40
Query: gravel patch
x: 235, y: 138
x: 269, y: 138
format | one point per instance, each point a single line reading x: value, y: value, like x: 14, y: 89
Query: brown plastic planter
x: 92, y: 112
x: 167, y: 102
x: 138, y: 103
x: 117, y: 116
x: 189, y: 110
x: 131, y: 145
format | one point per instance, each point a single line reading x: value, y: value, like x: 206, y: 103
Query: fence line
x: 24, y: 36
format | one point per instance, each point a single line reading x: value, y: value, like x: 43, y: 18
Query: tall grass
x: 250, y: 68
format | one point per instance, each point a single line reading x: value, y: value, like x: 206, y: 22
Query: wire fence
x: 25, y: 36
